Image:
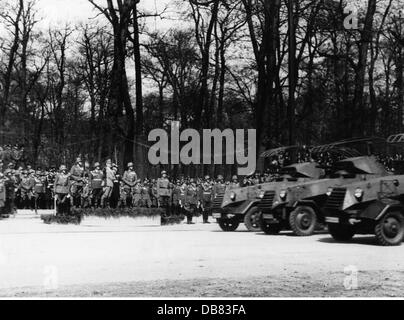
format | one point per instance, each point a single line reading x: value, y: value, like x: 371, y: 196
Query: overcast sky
x: 62, y: 11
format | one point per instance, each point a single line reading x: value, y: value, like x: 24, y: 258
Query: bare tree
x: 12, y: 16
x: 202, y: 10
x: 120, y: 16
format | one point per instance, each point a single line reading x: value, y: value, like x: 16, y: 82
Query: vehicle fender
x: 243, y: 207
x: 308, y: 203
x: 377, y: 209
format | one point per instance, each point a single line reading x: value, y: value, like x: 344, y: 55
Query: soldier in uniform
x: 27, y: 185
x: 258, y: 178
x: 137, y: 195
x: 146, y: 194
x: 96, y: 179
x: 234, y: 183
x: 10, y: 184
x: 219, y: 187
x: 191, y: 200
x: 86, y: 194
x: 129, y: 180
x: 39, y: 190
x: 109, y: 177
x: 50, y: 183
x: 164, y: 193
x: 154, y: 196
x: 77, y: 182
x: 18, y: 177
x: 116, y: 190
x: 206, y: 192
x: 61, y: 187
x: 176, y: 201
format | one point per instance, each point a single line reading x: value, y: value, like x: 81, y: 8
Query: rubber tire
x: 253, y: 213
x: 381, y: 238
x: 269, y: 228
x: 340, y: 232
x: 228, y: 225
x: 294, y: 225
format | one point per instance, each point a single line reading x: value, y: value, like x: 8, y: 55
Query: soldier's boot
x: 189, y: 217
x: 205, y: 215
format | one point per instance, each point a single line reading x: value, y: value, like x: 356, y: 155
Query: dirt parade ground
x: 120, y: 258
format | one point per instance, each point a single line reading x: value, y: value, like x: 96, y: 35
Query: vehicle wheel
x: 228, y: 225
x: 390, y: 229
x: 341, y: 232
x: 303, y: 221
x: 252, y: 221
x: 269, y: 228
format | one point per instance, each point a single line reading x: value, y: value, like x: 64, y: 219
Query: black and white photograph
x: 201, y: 149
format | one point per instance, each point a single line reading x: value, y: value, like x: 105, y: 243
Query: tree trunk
x: 293, y: 72
x: 360, y: 72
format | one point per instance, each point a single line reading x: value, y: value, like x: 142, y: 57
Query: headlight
x: 233, y: 196
x: 358, y: 193
x: 261, y: 195
x: 329, y: 191
x: 283, y: 195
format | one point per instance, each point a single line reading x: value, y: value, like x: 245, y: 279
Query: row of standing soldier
x: 98, y: 188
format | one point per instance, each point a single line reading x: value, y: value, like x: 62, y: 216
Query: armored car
x: 299, y: 206
x: 374, y: 206
x: 241, y: 205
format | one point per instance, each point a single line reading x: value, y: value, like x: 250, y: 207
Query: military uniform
x: 183, y: 195
x: 27, y: 185
x: 191, y: 201
x: 40, y: 191
x: 176, y: 199
x: 137, y: 196
x: 206, y: 197
x: 61, y: 187
x: 164, y: 193
x: 109, y: 177
x: 146, y: 195
x: 116, y: 189
x: 129, y: 180
x: 234, y: 183
x: 154, y: 196
x: 96, y: 182
x: 50, y: 192
x: 77, y: 183
x: 10, y: 184
x: 218, y: 188
x: 86, y: 194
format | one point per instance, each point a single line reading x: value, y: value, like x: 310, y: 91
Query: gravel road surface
x: 120, y: 258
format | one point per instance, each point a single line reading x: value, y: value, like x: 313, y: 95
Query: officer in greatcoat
x: 164, y: 193
x: 96, y: 179
x: 109, y: 179
x: 61, y: 188
x: 129, y: 180
x: 77, y: 182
